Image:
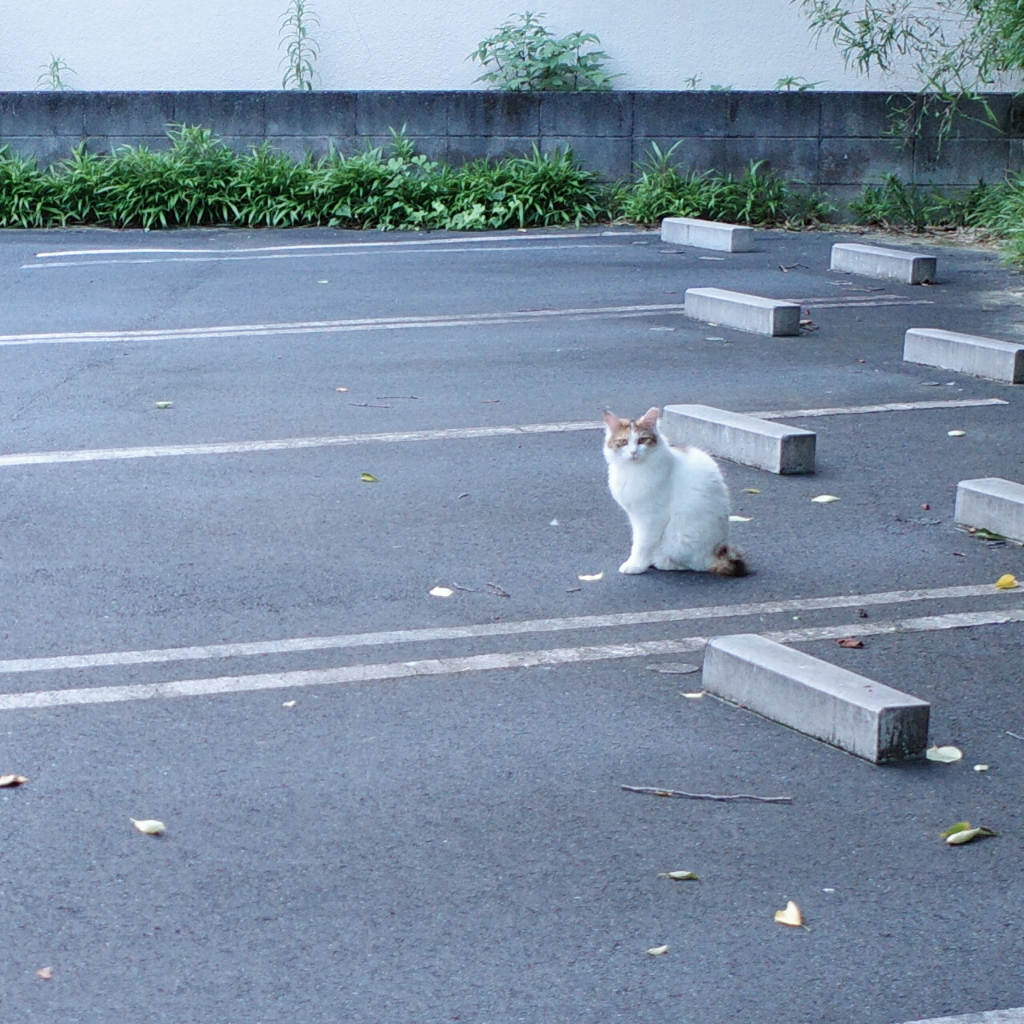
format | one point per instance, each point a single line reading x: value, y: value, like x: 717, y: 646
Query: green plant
x: 720, y: 88
x: 956, y: 48
x: 692, y: 82
x: 795, y: 83
x: 895, y: 204
x: 301, y: 49
x: 527, y: 57
x: 52, y: 75
x: 758, y: 197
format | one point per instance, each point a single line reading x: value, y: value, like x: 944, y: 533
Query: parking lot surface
x: 234, y: 464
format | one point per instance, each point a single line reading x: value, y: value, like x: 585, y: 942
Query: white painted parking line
x: 390, y: 437
x: 336, y: 326
x: 857, y: 410
x: 1013, y: 1016
x: 239, y: 257
x: 472, y: 663
x: 428, y: 635
x: 326, y: 246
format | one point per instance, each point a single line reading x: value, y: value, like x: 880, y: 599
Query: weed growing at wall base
x: 200, y: 181
x: 757, y: 198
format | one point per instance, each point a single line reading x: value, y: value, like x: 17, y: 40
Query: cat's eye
x: 620, y: 442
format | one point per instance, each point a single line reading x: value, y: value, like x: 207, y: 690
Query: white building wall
x: 407, y: 44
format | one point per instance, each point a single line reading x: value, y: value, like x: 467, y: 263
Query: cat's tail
x: 729, y: 562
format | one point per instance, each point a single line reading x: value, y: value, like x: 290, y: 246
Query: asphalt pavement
x: 234, y: 464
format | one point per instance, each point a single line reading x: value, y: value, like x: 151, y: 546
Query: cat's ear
x: 613, y: 422
x: 649, y: 420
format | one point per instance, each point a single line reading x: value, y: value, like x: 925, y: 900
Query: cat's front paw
x: 633, y: 568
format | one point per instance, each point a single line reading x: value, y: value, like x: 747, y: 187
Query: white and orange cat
x: 675, y: 497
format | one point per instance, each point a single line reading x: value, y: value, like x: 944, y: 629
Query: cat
x: 675, y: 497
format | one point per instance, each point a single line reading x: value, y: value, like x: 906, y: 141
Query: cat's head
x: 630, y: 440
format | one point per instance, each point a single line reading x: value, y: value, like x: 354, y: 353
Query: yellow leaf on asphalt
x: 149, y: 826
x: 694, y: 696
x: 12, y: 780
x: 956, y: 433
x: 751, y: 490
x: 739, y: 519
x: 163, y: 405
x: 679, y: 876
x: 591, y: 579
x: 657, y: 951
x: 1006, y: 582
x: 944, y: 755
x: 824, y: 499
x: 368, y: 478
x: 960, y: 826
x: 46, y: 973
x: 981, y: 767
x: 791, y: 915
x: 442, y: 592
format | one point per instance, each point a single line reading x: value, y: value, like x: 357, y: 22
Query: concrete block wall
x: 836, y: 141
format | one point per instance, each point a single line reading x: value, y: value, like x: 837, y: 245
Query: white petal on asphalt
x: 944, y: 755
x: 441, y: 592
x: 824, y: 499
x: 149, y: 826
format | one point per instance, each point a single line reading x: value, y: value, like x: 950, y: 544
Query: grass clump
x: 200, y: 181
x: 757, y: 198
x: 893, y: 204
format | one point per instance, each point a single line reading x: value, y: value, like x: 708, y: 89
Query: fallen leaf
x: 46, y: 973
x: 967, y: 835
x: 554, y: 522
x: 944, y: 755
x: 956, y: 433
x: 862, y: 613
x: 680, y: 876
x: 342, y: 390
x: 926, y: 506
x: 751, y: 490
x: 791, y: 916
x: 850, y: 641
x: 12, y: 780
x: 675, y: 668
x: 1006, y: 582
x: 980, y: 533
x: 657, y: 951
x: 163, y: 405
x: 981, y: 767
x: 323, y: 282
x: 591, y: 579
x: 368, y: 478
x: 289, y: 704
x: 441, y: 592
x: 696, y: 695
x: 149, y: 826
x: 573, y: 590
x: 739, y: 519
x: 960, y: 826
x: 824, y: 499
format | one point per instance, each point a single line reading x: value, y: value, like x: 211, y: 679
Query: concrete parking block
x: 991, y: 503
x: 707, y: 234
x: 774, y: 317
x: 965, y: 353
x: 887, y: 264
x: 839, y: 707
x: 747, y: 440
